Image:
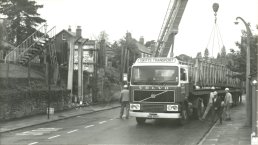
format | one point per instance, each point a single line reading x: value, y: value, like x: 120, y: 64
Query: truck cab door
x: 184, y: 82
x: 183, y: 75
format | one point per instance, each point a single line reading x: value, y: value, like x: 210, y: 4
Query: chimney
x: 69, y: 29
x: 141, y: 41
x: 78, y: 31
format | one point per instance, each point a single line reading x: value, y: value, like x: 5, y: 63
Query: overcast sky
x: 145, y: 17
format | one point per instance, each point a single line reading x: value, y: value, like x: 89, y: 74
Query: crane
x: 169, y: 28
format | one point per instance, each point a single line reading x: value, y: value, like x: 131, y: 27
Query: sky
x: 145, y: 18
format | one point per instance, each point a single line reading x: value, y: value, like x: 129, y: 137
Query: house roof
x: 68, y: 32
x: 143, y: 48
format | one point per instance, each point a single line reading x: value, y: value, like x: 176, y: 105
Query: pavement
x: 42, y: 119
x: 234, y: 132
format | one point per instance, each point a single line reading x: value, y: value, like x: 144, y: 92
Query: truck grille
x: 154, y: 96
x: 155, y: 108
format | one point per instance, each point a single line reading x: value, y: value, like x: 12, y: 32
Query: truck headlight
x: 172, y: 107
x: 135, y: 106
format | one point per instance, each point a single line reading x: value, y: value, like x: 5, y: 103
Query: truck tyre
x: 140, y: 120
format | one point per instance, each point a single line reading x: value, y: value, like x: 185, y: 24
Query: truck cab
x: 158, y: 88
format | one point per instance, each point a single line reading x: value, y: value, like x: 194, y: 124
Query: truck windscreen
x: 154, y: 75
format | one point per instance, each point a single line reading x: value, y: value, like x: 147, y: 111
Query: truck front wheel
x: 140, y: 120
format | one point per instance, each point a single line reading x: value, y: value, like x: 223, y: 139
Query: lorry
x: 164, y: 87
x: 161, y: 86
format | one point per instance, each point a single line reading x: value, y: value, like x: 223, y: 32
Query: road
x: 105, y: 128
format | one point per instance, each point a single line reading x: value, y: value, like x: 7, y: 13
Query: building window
x: 63, y: 36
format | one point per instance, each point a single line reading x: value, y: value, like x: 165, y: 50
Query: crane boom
x: 169, y: 28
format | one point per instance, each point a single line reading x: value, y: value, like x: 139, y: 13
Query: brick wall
x: 17, y: 104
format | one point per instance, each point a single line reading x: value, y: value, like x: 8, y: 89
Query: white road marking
x: 39, y: 131
x: 72, y: 131
x: 89, y: 126
x: 111, y: 119
x: 32, y: 143
x: 102, y: 122
x: 53, y: 137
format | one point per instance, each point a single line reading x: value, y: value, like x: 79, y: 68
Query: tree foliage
x: 1, y: 35
x: 103, y: 36
x: 151, y: 45
x: 23, y: 18
x: 199, y: 55
x: 116, y: 60
x: 237, y: 58
x: 206, y: 54
x: 223, y: 52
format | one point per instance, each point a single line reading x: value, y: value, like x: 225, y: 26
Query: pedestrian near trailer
x: 124, y: 100
x: 209, y: 105
x: 228, y: 103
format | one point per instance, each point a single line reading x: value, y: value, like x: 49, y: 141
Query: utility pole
x: 70, y: 68
x: 248, y: 97
x: 80, y: 73
x: 47, y: 75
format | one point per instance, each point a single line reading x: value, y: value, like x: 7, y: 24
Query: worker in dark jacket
x: 217, y: 108
x: 124, y: 100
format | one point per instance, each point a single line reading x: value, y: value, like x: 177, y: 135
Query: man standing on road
x: 228, y: 103
x: 209, y: 105
x: 124, y: 100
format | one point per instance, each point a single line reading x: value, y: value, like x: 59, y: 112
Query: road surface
x: 106, y: 128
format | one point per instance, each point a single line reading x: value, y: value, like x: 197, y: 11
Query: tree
x: 23, y: 18
x: 1, y: 35
x: 206, y: 54
x: 116, y: 60
x: 237, y: 58
x: 222, y: 56
x: 223, y: 52
x: 103, y: 36
x: 218, y: 56
x: 151, y: 45
x: 199, y: 55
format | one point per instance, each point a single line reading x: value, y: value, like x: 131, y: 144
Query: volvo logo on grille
x: 152, y: 96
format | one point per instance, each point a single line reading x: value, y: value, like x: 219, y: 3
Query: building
x: 63, y: 40
x: 138, y: 46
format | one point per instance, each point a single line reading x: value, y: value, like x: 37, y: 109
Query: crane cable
x: 215, y: 31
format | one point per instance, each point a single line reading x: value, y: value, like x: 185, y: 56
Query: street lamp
x: 254, y: 104
x: 254, y: 137
x: 249, y: 35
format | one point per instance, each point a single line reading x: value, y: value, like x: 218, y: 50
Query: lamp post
x: 254, y: 105
x: 249, y: 35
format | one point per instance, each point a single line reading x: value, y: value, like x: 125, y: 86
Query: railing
x: 49, y: 36
x: 27, y: 43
